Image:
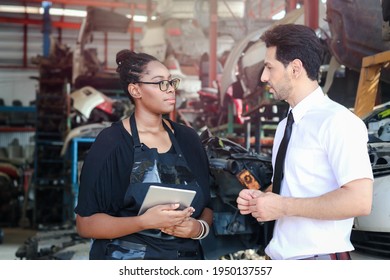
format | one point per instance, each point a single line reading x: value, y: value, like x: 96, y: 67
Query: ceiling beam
x: 94, y: 3
x: 56, y: 24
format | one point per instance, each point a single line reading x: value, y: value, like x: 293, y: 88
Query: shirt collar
x: 307, y: 103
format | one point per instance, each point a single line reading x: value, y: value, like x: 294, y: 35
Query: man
x: 327, y: 178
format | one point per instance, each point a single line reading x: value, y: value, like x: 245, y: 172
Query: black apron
x: 151, y: 168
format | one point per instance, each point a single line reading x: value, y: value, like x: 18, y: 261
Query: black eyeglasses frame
x: 170, y: 82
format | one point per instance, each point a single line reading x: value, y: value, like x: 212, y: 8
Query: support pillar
x: 46, y: 28
x: 311, y: 13
x: 213, y: 41
x: 291, y: 5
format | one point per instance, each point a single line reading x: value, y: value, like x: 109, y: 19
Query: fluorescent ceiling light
x: 66, y: 12
x: 279, y: 15
x: 39, y: 10
x: 139, y: 18
x: 58, y: 12
x: 19, y: 9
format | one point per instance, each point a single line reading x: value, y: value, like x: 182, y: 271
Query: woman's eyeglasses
x: 164, y: 84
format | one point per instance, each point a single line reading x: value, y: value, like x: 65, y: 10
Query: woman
x: 133, y: 154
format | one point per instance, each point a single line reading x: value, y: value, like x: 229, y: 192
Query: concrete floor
x: 12, y: 240
x: 15, y: 237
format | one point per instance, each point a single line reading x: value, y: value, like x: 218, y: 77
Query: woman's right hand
x: 164, y: 216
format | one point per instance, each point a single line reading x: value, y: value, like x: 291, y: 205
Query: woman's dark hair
x: 294, y: 41
x: 131, y: 66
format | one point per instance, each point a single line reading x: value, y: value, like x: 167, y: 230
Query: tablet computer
x: 157, y: 195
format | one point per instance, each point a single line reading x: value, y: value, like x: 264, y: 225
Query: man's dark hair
x: 294, y: 41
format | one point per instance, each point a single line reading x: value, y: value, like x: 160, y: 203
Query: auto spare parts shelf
x: 51, y: 186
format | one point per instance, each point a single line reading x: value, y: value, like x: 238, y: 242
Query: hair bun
x: 122, y: 56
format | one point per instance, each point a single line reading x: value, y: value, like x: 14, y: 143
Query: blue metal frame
x: 31, y: 109
x: 46, y: 28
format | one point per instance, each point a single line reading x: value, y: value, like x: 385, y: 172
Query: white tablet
x: 157, y: 195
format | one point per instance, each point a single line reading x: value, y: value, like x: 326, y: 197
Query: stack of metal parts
x: 59, y: 244
x: 52, y: 111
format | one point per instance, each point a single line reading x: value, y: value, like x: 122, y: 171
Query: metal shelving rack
x: 50, y: 182
x: 22, y: 129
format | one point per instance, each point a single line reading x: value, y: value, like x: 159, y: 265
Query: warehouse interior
x: 59, y: 89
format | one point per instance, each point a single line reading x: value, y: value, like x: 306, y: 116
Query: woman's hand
x: 189, y: 228
x: 166, y: 216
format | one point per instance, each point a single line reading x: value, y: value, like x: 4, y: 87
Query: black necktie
x: 279, y: 162
x: 279, y: 166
